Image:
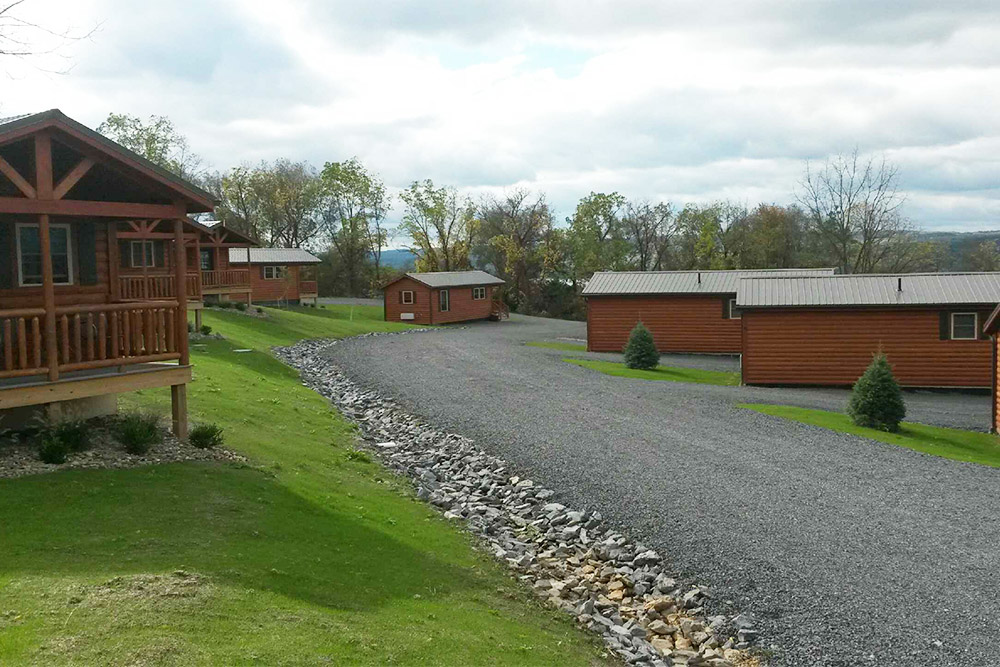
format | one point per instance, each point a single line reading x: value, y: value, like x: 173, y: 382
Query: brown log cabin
x: 278, y: 276
x: 441, y: 297
x: 222, y: 279
x: 686, y: 311
x: 824, y: 330
x: 98, y: 265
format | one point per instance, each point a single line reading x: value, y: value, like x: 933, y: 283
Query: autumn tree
x: 155, y: 139
x: 440, y: 224
x: 514, y: 226
x: 290, y: 195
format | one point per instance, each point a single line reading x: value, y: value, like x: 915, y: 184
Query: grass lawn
x: 555, y: 345
x: 950, y: 443
x: 313, y: 554
x: 667, y: 373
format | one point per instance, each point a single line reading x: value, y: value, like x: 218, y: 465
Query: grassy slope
x: 555, y: 345
x: 950, y: 443
x: 667, y: 373
x: 312, y: 555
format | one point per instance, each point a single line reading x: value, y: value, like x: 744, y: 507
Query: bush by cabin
x: 440, y: 297
x: 686, y: 311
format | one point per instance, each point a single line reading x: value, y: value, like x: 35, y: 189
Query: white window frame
x: 277, y: 272
x: 975, y: 326
x: 407, y: 293
x: 731, y: 308
x: 444, y: 301
x: 69, y: 251
x: 142, y: 244
x: 478, y: 290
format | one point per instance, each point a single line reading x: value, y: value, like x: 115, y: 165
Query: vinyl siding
x: 833, y: 347
x: 462, y: 306
x: 420, y: 307
x: 678, y: 323
x: 270, y: 291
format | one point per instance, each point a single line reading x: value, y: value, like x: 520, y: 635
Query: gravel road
x: 846, y: 551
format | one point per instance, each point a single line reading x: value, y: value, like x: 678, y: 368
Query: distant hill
x: 400, y: 258
x: 958, y: 245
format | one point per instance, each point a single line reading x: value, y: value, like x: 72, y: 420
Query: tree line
x: 847, y: 214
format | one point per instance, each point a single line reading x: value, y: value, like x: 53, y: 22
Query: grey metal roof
x: 682, y: 282
x: 11, y: 119
x: 871, y: 290
x: 455, y: 278
x: 272, y: 256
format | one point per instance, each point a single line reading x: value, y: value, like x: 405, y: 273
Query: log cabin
x: 221, y: 280
x: 440, y: 297
x: 278, y: 276
x: 686, y: 311
x: 95, y: 250
x: 992, y: 329
x: 824, y: 330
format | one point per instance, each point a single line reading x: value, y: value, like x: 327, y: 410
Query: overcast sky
x: 659, y: 99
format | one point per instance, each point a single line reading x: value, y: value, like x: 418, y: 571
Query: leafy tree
x: 156, y: 139
x: 985, y: 257
x: 647, y: 229
x: 877, y: 400
x: 596, y: 235
x: 440, y: 224
x: 354, y: 218
x: 640, y: 351
x: 290, y: 195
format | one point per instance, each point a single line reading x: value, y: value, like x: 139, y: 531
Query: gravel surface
x: 846, y: 551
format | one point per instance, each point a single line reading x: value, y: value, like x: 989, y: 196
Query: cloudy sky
x: 657, y: 99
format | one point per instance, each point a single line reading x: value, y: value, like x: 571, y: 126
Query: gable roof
x: 435, y: 279
x: 272, y: 256
x: 608, y: 283
x: 213, y: 226
x: 14, y: 127
x: 906, y: 289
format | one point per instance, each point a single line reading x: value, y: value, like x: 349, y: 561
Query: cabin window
x: 732, y: 312
x: 205, y: 260
x: 444, y: 300
x: 407, y: 296
x: 144, y: 253
x: 964, y: 326
x: 274, y: 272
x: 29, y: 254
x: 478, y: 293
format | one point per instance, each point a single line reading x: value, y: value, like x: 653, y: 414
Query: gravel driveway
x: 846, y: 551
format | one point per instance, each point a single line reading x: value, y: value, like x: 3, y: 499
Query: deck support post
x: 197, y: 319
x: 180, y: 271
x: 178, y: 410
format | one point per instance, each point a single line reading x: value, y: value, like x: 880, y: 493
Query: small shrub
x: 52, y: 449
x: 190, y: 327
x: 240, y: 306
x: 641, y: 351
x: 206, y: 436
x: 225, y: 304
x: 74, y: 434
x: 358, y: 456
x: 138, y: 431
x: 877, y: 400
x: 205, y: 330
x: 260, y: 311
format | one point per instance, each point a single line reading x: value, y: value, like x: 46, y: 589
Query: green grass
x: 555, y: 345
x: 666, y: 373
x: 950, y: 443
x: 312, y: 554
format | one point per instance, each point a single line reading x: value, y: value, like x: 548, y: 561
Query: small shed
x: 824, y: 330
x: 277, y: 275
x: 686, y: 311
x: 439, y: 297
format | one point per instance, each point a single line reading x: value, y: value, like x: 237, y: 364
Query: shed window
x: 143, y: 253
x: 732, y: 312
x: 444, y: 300
x: 407, y: 296
x: 29, y: 254
x: 478, y: 293
x: 274, y: 272
x: 964, y: 326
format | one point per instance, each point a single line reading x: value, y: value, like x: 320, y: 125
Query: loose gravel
x: 844, y: 550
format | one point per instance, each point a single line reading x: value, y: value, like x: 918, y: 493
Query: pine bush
x: 877, y: 400
x: 641, y: 351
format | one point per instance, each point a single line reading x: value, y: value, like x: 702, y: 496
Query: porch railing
x: 90, y: 337
x: 308, y: 287
x: 225, y: 278
x: 155, y: 287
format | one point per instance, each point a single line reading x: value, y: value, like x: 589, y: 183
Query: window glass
x: 734, y: 312
x: 143, y: 254
x: 444, y: 300
x: 407, y: 297
x: 963, y: 326
x: 29, y: 248
x: 206, y: 260
x: 478, y: 293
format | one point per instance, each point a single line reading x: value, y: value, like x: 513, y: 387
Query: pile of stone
x: 610, y: 585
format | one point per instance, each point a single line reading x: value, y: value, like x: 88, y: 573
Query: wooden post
x: 43, y: 189
x: 197, y: 319
x: 178, y: 407
x: 114, y: 261
x: 180, y: 270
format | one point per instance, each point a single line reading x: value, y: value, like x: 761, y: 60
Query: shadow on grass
x: 235, y: 524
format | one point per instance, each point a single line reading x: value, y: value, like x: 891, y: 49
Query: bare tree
x: 24, y: 39
x: 854, y: 204
x: 515, y: 227
x: 648, y: 229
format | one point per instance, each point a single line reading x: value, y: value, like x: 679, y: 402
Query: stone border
x: 611, y: 585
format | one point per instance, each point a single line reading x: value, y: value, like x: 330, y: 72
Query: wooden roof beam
x: 72, y: 178
x: 24, y: 186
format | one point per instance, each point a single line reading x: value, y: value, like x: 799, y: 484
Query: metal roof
x: 682, y: 282
x: 455, y: 278
x: 905, y: 289
x: 272, y: 256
